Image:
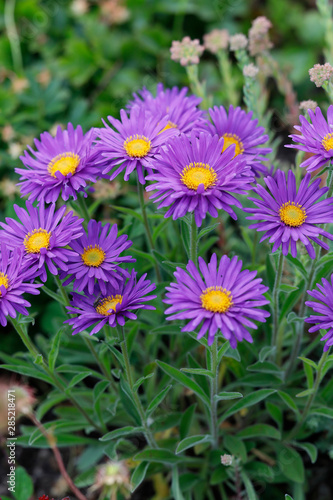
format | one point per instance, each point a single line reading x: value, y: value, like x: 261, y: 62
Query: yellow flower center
x: 168, y: 126
x: 65, y: 163
x: 230, y: 139
x: 327, y: 142
x: 216, y: 299
x: 93, y: 256
x: 198, y: 173
x: 4, y: 281
x: 291, y: 214
x: 39, y: 238
x: 137, y: 146
x: 108, y: 303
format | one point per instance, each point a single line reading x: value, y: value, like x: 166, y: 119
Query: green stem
x: 213, y: 392
x: 193, y: 240
x: 275, y: 297
x: 13, y: 37
x: 62, y: 290
x: 147, y: 227
x: 84, y: 212
x: 311, y: 397
x: 197, y: 88
x: 228, y: 82
x: 148, y: 435
x: 61, y: 385
x: 308, y: 286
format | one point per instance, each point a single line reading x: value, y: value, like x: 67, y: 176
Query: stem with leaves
x: 197, y: 87
x: 56, y: 379
x: 213, y: 393
x: 227, y: 80
x: 147, y: 227
x: 123, y: 344
x: 275, y: 297
x: 312, y: 396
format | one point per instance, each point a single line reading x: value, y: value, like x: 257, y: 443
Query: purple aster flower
x: 135, y: 142
x: 111, y: 307
x: 43, y: 235
x: 238, y: 128
x: 96, y: 255
x: 324, y: 306
x: 182, y: 111
x: 316, y: 138
x: 13, y: 278
x: 288, y: 215
x: 62, y: 164
x: 193, y: 176
x: 222, y: 297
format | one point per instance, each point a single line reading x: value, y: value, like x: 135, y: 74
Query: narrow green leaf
x: 235, y: 446
x: 191, y: 441
x: 141, y: 380
x: 56, y: 296
x: 251, y: 494
x: 259, y: 430
x: 186, y: 420
x: 309, y: 362
x: 265, y: 352
x: 77, y: 378
x: 290, y: 300
x: 287, y: 288
x: 303, y: 394
x: 128, y: 211
x: 184, y: 380
x: 138, y: 475
x: 207, y: 230
x: 222, y: 351
x: 290, y: 463
x: 288, y: 400
x: 168, y: 329
x: 198, y: 371
x: 158, y: 399
x: 323, y: 412
x: 310, y: 448
x: 123, y: 431
x: 288, y: 497
x: 247, y: 401
x: 160, y: 456
x: 175, y: 488
x: 225, y: 396
x: 298, y: 264
x: 309, y: 375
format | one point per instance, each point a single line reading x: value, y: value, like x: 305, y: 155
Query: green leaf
x: 259, y: 430
x: 161, y: 456
x: 275, y: 412
x: 123, y: 431
x: 158, y: 399
x: 251, y: 494
x: 219, y: 475
x: 287, y: 288
x: 144, y: 255
x: 222, y: 352
x: 28, y: 371
x: 191, y: 441
x: 141, y: 380
x: 77, y: 378
x: 138, y: 475
x: 127, y: 401
x: 185, y: 232
x: 184, y: 380
x: 198, y: 371
x: 265, y: 352
x: 265, y: 367
x: 309, y: 362
x: 169, y: 329
x: 288, y: 400
x: 295, y: 262
x: 288, y: 497
x: 270, y: 272
x: 207, y: 230
x: 186, y: 420
x: 303, y: 394
x: 24, y: 487
x: 56, y: 296
x: 323, y: 412
x: 128, y: 211
x: 291, y: 300
x: 249, y: 400
x: 236, y: 447
x: 310, y: 448
x: 290, y: 463
x: 175, y: 488
x: 225, y: 396
x: 309, y: 375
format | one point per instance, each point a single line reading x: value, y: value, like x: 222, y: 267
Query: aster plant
x: 182, y: 110
x: 195, y: 175
x: 43, y: 234
x: 113, y: 306
x: 96, y: 257
x: 240, y: 129
x: 61, y: 165
x: 287, y: 215
x: 220, y: 296
x: 15, y: 280
x: 132, y: 142
x: 315, y: 137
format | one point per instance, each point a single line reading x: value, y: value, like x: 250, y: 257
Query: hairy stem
x: 147, y: 227
x: 148, y: 435
x: 213, y: 392
x: 275, y: 297
x: 193, y: 240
